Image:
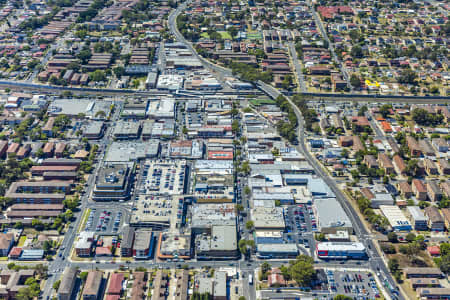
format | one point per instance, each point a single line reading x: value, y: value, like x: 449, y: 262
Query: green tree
x: 119, y: 71
x: 83, y: 276
x: 392, y: 237
x: 355, y: 81
x: 444, y: 264
x: 319, y: 237
x: 302, y: 270
x: 393, y: 265
x: 356, y: 52
x: 56, y: 285
x: 407, y: 76
x: 97, y: 76
x: 385, y: 110
x: 444, y: 249
x: 249, y: 225
x: 410, y: 237
x: 342, y: 297
x: 232, y: 31
x: 247, y: 190
x: 235, y: 126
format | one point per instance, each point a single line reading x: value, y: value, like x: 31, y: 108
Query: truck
x: 250, y: 279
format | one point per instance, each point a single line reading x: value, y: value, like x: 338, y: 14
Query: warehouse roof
x: 331, y: 214
x: 333, y: 246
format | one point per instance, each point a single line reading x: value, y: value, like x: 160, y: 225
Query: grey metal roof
x: 331, y: 214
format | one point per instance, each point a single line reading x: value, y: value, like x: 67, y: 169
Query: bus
x: 250, y: 279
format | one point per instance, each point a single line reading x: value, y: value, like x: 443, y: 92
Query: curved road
x: 375, y: 258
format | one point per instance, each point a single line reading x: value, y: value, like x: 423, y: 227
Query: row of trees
x: 287, y: 128
x: 423, y: 117
x: 250, y: 73
x: 378, y: 221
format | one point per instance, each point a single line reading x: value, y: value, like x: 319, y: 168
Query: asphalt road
x: 298, y: 68
x: 375, y: 258
x: 361, y: 232
x: 330, y: 45
x: 56, y: 267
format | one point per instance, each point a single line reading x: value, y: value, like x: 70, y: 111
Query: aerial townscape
x: 224, y: 149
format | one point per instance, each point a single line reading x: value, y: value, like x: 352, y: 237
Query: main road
x: 297, y: 67
x: 375, y: 258
x: 56, y: 267
x: 330, y: 45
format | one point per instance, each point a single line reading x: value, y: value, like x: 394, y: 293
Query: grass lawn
x: 254, y: 36
x: 22, y: 240
x: 259, y: 102
x: 225, y: 35
x: 84, y: 220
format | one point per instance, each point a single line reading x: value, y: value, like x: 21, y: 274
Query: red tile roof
x: 115, y: 284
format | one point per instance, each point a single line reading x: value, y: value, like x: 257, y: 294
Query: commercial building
x: 143, y: 244
x: 268, y: 218
x: 67, y: 285
x: 127, y: 130
x: 172, y: 245
x: 269, y: 251
x: 170, y: 82
x: 80, y: 107
x: 135, y: 109
x: 192, y: 149
x: 113, y: 182
x: 31, y: 254
x: 204, y: 216
x: 130, y: 151
x: 154, y: 212
x: 381, y: 199
x: 268, y: 237
x: 162, y: 109
x: 334, y: 250
x: 331, y: 217
x: 126, y: 245
x: 220, y: 285
x: 418, y: 219
x: 94, y: 130
x: 83, y: 245
x: 396, y: 218
x: 220, y: 243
